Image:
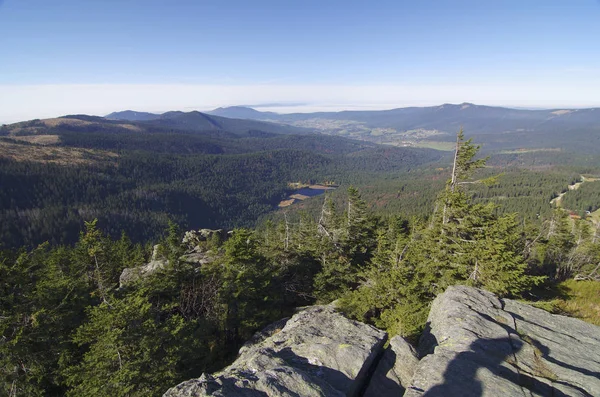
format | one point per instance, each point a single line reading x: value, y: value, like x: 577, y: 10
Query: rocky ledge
x: 475, y: 344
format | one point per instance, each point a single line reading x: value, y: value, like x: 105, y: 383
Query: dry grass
x: 80, y: 123
x: 580, y: 299
x: 299, y: 197
x: 38, y: 139
x: 322, y: 187
x: 65, y: 121
x: 39, y: 126
x: 53, y: 154
x: 286, y: 203
x: 561, y: 112
x: 583, y: 300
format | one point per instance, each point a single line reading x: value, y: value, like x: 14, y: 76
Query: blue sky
x: 96, y: 56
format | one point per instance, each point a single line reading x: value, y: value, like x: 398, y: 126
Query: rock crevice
x: 479, y: 345
x: 475, y: 344
x: 317, y: 352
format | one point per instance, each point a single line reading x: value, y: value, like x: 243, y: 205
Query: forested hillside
x: 133, y: 177
x: 70, y: 327
x: 497, y: 128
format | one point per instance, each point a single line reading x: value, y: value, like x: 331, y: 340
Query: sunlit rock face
x: 317, y: 352
x: 475, y: 344
x: 479, y: 345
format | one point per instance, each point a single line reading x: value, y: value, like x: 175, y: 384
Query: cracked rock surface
x: 479, y: 345
x: 317, y: 352
x: 394, y: 371
x: 475, y: 345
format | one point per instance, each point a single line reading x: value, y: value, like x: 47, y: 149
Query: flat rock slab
x: 318, y: 352
x: 479, y: 345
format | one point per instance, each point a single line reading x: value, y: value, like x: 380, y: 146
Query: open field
x: 38, y: 139
x: 54, y: 154
x: 531, y: 150
x: 444, y: 146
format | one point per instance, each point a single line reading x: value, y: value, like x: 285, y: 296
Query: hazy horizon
x: 284, y: 108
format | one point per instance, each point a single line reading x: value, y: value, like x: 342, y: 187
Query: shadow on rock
x: 493, y: 362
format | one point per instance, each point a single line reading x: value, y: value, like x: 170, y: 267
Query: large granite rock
x: 394, y: 371
x: 475, y: 344
x: 131, y: 274
x: 197, y: 256
x: 317, y: 352
x: 479, y: 345
x: 192, y: 238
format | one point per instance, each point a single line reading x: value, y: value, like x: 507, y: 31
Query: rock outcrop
x: 131, y: 274
x: 475, y: 344
x: 192, y: 238
x: 394, y: 371
x: 318, y: 352
x: 196, y: 253
x: 479, y: 345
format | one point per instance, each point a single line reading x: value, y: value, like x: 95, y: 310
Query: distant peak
x: 235, y: 108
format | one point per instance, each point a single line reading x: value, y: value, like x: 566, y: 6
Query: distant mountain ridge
x: 243, y: 112
x: 131, y: 115
x: 496, y: 128
x: 446, y: 118
x: 485, y: 118
x: 198, y: 121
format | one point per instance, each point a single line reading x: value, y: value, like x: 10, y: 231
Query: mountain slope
x: 198, y: 121
x: 131, y: 115
x: 135, y: 176
x: 496, y: 127
x: 192, y: 121
x: 242, y: 112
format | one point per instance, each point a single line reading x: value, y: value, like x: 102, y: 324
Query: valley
x: 496, y: 128
x: 135, y: 176
x: 92, y: 214
x: 233, y: 172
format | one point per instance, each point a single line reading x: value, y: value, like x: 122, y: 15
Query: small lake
x: 310, y: 192
x: 305, y: 193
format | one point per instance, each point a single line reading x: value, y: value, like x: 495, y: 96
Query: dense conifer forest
x: 69, y: 327
x: 135, y: 181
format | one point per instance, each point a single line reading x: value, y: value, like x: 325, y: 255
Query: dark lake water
x: 306, y: 191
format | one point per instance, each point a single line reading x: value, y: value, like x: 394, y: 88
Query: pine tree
x: 247, y: 292
x: 345, y: 246
x: 464, y: 243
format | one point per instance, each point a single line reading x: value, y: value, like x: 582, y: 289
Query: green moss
x: 540, y: 368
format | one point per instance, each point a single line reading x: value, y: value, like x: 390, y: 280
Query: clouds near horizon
x: 18, y: 103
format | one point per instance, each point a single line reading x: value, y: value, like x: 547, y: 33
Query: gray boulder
x: 197, y: 257
x: 394, y: 371
x: 475, y: 344
x: 192, y: 238
x: 479, y: 345
x: 317, y: 352
x: 131, y: 274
